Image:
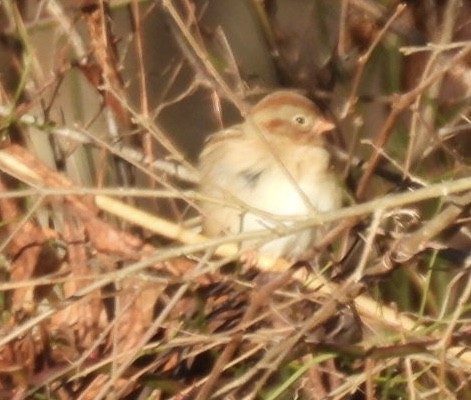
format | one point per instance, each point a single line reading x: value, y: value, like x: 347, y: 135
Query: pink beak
x: 321, y: 126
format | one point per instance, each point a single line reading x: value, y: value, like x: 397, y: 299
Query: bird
x: 266, y: 172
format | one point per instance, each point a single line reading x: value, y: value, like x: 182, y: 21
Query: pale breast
x: 282, y: 181
x: 298, y: 188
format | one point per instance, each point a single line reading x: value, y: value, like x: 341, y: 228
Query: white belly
x: 258, y: 180
x: 276, y: 194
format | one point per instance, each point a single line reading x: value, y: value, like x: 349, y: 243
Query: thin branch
x: 402, y: 103
x: 364, y: 58
x: 201, y: 57
x: 172, y: 168
x: 423, y: 118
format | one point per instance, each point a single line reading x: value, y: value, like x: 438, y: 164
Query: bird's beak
x: 322, y: 126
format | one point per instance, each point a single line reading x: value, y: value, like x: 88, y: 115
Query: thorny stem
x: 363, y: 60
x: 422, y: 119
x: 203, y: 58
x: 402, y: 103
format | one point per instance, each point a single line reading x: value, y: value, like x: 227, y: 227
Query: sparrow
x: 270, y: 168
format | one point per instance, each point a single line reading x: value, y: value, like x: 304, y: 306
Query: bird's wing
x: 233, y: 160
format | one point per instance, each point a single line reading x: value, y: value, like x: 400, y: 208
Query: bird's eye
x: 300, y: 120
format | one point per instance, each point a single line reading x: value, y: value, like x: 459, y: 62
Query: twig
x: 432, y: 47
x: 151, y: 332
x: 259, y: 297
x: 364, y: 58
x: 172, y: 168
x: 225, y: 247
x: 418, y: 131
x: 276, y: 355
x: 201, y: 57
x: 70, y: 34
x: 402, y: 103
x: 147, y: 142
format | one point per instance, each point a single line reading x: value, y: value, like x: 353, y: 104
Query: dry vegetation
x: 107, y: 290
